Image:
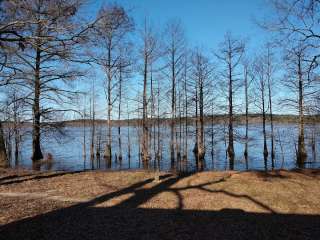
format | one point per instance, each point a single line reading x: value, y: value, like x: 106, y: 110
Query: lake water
x: 67, y: 150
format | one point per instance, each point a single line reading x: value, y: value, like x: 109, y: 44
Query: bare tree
x: 246, y: 75
x: 149, y: 55
x: 52, y: 36
x: 261, y: 87
x: 185, y: 82
x: 175, y: 48
x: 113, y: 25
x: 10, y: 40
x: 296, y: 80
x: 201, y: 75
x: 93, y: 119
x: 269, y: 61
x: 230, y: 53
x: 296, y: 23
x: 124, y: 70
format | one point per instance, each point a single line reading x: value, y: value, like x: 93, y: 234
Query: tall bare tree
x: 149, y: 53
x: 201, y: 75
x: 230, y: 53
x: 270, y: 69
x: 261, y: 87
x: 296, y: 80
x: 175, y: 48
x: 124, y: 71
x: 246, y: 76
x: 113, y: 25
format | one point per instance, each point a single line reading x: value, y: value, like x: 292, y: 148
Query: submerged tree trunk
x: 179, y: 144
x: 84, y: 145
x: 301, y: 153
x: 195, y: 149
x: 108, y: 153
x: 265, y: 146
x: 119, y: 115
x: 36, y: 148
x: 269, y: 72
x: 173, y: 111
x: 201, y: 147
x: 129, y: 142
x: 145, y: 129
x: 246, y: 86
x: 185, y: 156
x: 230, y: 149
x: 93, y: 127
x: 158, y: 128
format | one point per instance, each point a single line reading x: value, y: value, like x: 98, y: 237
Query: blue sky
x: 205, y: 21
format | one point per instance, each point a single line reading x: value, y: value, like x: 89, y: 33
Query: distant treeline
x: 239, y: 119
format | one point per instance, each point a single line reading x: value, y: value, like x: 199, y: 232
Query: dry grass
x: 280, y: 192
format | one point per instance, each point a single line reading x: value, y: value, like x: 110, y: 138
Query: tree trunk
x: 36, y: 148
x: 158, y: 127
x: 230, y: 149
x: 129, y: 142
x: 145, y: 130
x: 173, y: 110
x: 301, y: 153
x: 3, y: 153
x: 271, y: 113
x: 119, y: 116
x: 186, y: 114
x: 93, y: 128
x: 201, y: 148
x: 107, y: 152
x: 265, y: 147
x: 247, y: 118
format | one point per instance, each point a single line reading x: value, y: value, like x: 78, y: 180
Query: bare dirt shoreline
x: 130, y: 205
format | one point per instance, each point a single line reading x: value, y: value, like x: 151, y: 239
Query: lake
x: 67, y: 149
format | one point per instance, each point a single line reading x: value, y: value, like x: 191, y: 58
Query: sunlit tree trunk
x: 173, y: 109
x: 145, y: 129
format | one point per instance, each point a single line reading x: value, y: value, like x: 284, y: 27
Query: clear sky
x: 205, y: 21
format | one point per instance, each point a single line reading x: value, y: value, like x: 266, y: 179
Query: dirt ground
x: 131, y: 205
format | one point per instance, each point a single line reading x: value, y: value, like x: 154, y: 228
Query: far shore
x: 216, y: 119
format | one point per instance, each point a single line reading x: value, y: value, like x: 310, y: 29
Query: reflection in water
x: 68, y: 153
x: 45, y: 164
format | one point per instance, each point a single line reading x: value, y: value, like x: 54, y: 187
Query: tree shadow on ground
x: 13, y: 179
x: 127, y: 221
